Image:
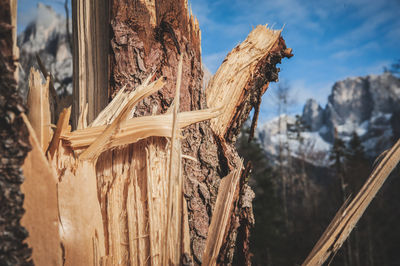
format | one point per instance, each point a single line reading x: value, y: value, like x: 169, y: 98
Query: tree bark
x: 14, y: 145
x: 147, y: 37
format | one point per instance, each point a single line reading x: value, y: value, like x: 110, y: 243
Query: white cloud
x: 28, y: 11
x: 355, y: 52
x: 312, y: 29
x: 213, y: 61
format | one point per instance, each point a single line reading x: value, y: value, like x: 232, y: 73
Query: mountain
x: 46, y: 36
x: 368, y: 105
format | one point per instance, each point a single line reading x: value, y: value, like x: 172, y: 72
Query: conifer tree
x: 268, y: 234
x: 337, y: 155
x: 357, y: 169
x: 356, y: 163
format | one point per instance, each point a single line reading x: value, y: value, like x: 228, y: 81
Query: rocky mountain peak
x: 350, y: 100
x: 313, y: 114
x: 42, y: 30
x: 46, y: 35
x: 366, y: 105
x: 358, y: 100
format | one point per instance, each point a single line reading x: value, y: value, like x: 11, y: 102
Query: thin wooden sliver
x: 100, y: 144
x: 221, y: 215
x: 350, y: 213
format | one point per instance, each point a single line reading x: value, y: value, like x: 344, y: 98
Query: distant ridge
x: 368, y: 105
x: 46, y: 35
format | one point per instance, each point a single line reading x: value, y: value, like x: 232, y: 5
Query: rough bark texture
x: 140, y: 47
x: 14, y: 145
x: 148, y: 36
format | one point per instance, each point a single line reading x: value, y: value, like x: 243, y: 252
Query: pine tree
x: 394, y: 68
x: 296, y: 129
x: 268, y: 235
x: 337, y: 155
x: 357, y: 168
x: 355, y: 149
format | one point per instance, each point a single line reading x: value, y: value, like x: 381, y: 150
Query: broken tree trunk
x: 14, y: 145
x: 154, y: 178
x: 139, y: 47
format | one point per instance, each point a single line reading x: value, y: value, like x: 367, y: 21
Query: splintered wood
x: 41, y: 210
x: 351, y: 211
x: 96, y: 224
x: 118, y: 182
x: 219, y: 223
x: 226, y: 88
x: 39, y: 108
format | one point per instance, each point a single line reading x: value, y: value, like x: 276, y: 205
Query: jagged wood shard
x: 219, y: 223
x: 101, y: 143
x: 351, y: 211
x: 63, y: 122
x: 238, y: 76
x: 137, y: 128
x: 100, y: 229
x: 40, y: 203
x: 39, y: 108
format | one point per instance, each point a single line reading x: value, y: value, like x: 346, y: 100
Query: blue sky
x: 27, y: 10
x: 331, y: 40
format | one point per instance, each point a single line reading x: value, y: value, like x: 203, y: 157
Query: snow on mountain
x: 313, y: 114
x: 367, y: 105
x: 46, y: 36
x: 274, y: 139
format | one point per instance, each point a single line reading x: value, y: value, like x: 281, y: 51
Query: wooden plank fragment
x: 138, y: 128
x: 15, y: 48
x: 62, y: 124
x: 101, y: 143
x: 82, y: 120
x: 39, y: 108
x: 41, y: 205
x: 173, y: 225
x: 350, y: 213
x: 90, y: 29
x: 222, y: 214
x: 81, y: 222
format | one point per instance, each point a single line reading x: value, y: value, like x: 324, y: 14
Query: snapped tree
x: 148, y: 172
